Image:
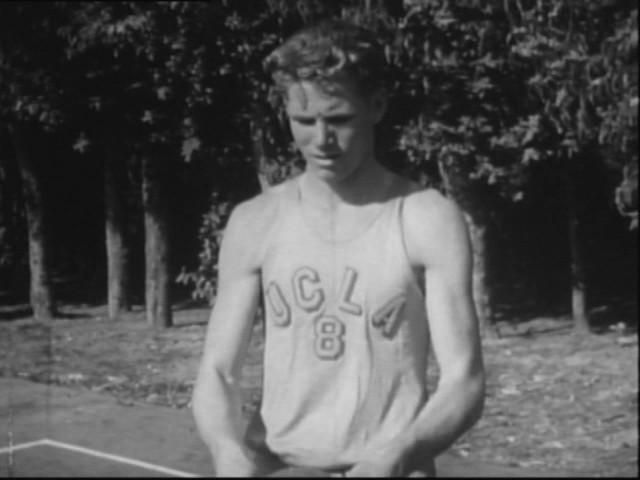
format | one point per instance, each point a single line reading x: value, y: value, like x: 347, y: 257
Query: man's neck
x: 362, y: 187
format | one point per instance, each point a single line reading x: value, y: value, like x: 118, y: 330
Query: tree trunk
x: 482, y: 294
x: 115, y: 187
x: 155, y: 172
x: 41, y: 293
x: 12, y: 221
x: 578, y: 284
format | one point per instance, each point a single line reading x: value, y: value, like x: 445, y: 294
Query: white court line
x: 118, y: 458
x: 22, y: 446
x: 96, y: 453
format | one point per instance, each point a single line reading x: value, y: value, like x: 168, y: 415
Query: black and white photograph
x: 307, y: 238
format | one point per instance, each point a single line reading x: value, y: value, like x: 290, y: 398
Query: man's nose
x: 324, y: 134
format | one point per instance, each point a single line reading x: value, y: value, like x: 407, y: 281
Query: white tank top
x: 346, y: 338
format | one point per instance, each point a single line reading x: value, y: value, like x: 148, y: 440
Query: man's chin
x: 331, y: 177
x: 327, y: 173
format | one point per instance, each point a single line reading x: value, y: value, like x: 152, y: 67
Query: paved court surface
x: 60, y: 432
x: 48, y: 458
x: 155, y: 435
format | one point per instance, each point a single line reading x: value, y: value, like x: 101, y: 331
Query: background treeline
x: 128, y: 130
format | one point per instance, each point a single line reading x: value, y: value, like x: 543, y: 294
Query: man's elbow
x: 209, y: 382
x: 476, y: 388
x: 470, y: 385
x: 198, y: 400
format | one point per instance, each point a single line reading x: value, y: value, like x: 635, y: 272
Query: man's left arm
x: 437, y: 239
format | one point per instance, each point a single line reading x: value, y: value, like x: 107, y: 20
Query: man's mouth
x: 326, y: 156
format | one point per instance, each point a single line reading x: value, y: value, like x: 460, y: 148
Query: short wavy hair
x: 327, y: 51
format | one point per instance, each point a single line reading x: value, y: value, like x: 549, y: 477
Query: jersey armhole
x: 417, y: 273
x: 285, y: 193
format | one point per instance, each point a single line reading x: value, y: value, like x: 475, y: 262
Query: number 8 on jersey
x: 329, y: 342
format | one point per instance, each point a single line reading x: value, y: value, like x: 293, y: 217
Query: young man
x: 359, y: 271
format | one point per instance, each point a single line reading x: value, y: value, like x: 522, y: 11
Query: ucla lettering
x: 329, y: 330
x: 309, y: 295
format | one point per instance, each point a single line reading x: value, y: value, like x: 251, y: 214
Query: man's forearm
x: 217, y: 404
x: 453, y: 409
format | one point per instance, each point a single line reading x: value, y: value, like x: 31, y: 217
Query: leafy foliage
x: 481, y: 90
x: 32, y: 74
x: 204, y: 278
x: 472, y: 124
x: 585, y: 74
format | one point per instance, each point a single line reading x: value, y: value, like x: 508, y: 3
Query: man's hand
x: 234, y: 462
x: 376, y: 467
x: 389, y: 461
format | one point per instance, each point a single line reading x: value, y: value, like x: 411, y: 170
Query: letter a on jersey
x: 387, y: 317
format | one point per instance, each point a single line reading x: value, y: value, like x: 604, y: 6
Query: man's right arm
x: 217, y: 398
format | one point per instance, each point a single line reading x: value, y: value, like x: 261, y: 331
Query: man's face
x: 333, y: 130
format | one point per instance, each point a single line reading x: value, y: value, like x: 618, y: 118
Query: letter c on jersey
x: 307, y: 289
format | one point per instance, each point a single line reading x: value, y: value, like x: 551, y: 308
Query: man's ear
x: 379, y: 104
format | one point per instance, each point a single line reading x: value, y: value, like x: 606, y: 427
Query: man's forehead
x: 330, y: 96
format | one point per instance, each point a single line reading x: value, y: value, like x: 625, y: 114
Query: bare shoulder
x: 249, y: 227
x: 429, y: 203
x: 435, y: 227
x: 255, y: 215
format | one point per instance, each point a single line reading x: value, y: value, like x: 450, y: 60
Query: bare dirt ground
x: 555, y: 401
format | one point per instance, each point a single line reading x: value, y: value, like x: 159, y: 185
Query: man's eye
x: 340, y: 119
x: 305, y: 121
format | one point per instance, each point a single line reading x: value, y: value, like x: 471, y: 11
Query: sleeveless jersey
x: 346, y: 338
